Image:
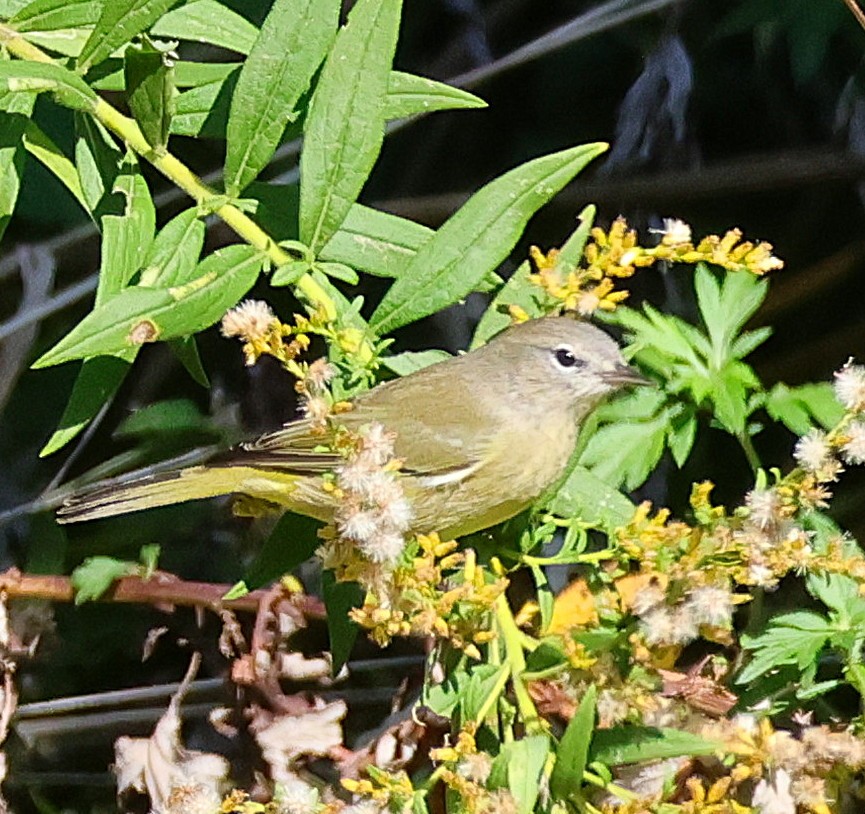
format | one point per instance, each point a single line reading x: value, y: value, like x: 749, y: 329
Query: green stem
x: 750, y: 453
x: 178, y: 173
x: 517, y: 663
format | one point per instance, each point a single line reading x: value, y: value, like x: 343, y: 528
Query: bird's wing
x: 432, y: 445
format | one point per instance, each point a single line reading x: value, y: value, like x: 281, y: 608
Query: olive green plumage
x: 481, y: 436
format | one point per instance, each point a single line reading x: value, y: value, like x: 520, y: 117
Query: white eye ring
x: 565, y: 358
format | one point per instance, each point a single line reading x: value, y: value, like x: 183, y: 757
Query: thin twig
x: 856, y: 12
x: 161, y: 589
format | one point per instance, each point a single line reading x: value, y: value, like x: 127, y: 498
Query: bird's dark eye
x: 565, y: 357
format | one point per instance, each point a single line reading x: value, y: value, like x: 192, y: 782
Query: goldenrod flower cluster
x: 616, y: 254
x: 437, y: 592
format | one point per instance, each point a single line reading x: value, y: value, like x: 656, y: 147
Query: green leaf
x: 97, y: 161
x: 186, y: 351
x: 169, y: 416
x: 48, y: 15
x: 14, y: 118
x: 96, y: 575
x: 518, y: 767
x: 792, y: 638
x: 344, y: 127
x: 520, y: 291
x: 126, y: 237
x: 409, y: 94
x: 572, y: 753
x: 207, y: 21
x: 293, y: 541
x: 621, y: 745
x: 376, y: 242
x: 294, y: 39
x: 681, y: 432
x: 476, y: 693
x: 150, y: 91
x: 95, y: 386
x: 138, y: 315
x: 476, y: 238
x: 798, y: 408
x: 585, y: 496
x: 23, y: 76
x: 174, y: 254
x: 750, y: 340
x: 410, y: 361
x: 44, y: 150
x: 203, y: 110
x: 119, y: 23
x: 339, y: 599
x: 623, y: 455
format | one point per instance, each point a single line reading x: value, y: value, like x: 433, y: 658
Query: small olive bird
x: 480, y: 436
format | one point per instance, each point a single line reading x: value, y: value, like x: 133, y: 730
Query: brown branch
x: 160, y: 589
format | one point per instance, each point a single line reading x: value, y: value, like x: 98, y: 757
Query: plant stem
x: 750, y: 453
x: 517, y: 662
x: 176, y: 171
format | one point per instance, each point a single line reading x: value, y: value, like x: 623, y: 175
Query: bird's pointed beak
x: 624, y: 375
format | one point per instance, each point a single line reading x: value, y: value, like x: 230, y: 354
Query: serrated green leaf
x: 344, y: 127
x: 96, y: 575
x: 149, y: 76
x: 95, y: 386
x: 410, y: 361
x: 475, y: 239
x: 621, y: 745
x: 750, y: 340
x: 24, y: 76
x: 44, y: 150
x: 585, y: 496
x: 623, y: 455
x: 518, y: 767
x: 409, y: 94
x: 792, y: 638
x: 799, y: 407
x: 294, y: 39
x: 681, y: 433
x: 119, y: 23
x: 47, y: 15
x: 376, y: 242
x: 138, y: 315
x: 207, y: 21
x: 174, y: 253
x: 572, y: 754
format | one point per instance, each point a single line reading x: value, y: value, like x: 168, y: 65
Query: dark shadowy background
x: 748, y: 113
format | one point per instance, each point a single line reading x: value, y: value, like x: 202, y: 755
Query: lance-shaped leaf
x: 44, y: 150
x: 294, y: 39
x: 475, y: 239
x: 173, y: 257
x: 376, y: 242
x: 409, y: 94
x: 572, y: 754
x: 120, y: 21
x: 208, y: 21
x: 97, y: 382
x: 344, y: 127
x: 203, y: 110
x: 138, y: 315
x: 49, y: 15
x: 150, y: 91
x: 22, y: 76
x: 15, y: 112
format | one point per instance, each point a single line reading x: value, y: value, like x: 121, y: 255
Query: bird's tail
x: 194, y: 483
